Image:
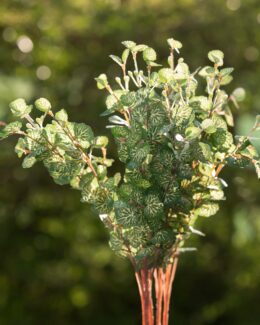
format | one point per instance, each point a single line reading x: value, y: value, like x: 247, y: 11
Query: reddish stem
x: 139, y: 283
x: 170, y: 275
x: 163, y: 280
x: 146, y: 281
x: 158, y: 273
x: 166, y: 298
x: 150, y: 296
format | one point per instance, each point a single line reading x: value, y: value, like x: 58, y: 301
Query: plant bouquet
x: 173, y: 142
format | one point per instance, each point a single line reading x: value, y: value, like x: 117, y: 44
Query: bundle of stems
x: 155, y: 288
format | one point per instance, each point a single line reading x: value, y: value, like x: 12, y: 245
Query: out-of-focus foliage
x: 55, y: 263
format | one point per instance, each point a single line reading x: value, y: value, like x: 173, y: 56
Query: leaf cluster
x: 173, y: 141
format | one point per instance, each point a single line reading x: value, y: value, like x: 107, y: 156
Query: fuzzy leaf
x: 166, y: 75
x: 149, y: 54
x: 125, y: 55
x: 126, y: 215
x: 216, y: 56
x: 239, y: 94
x: 10, y: 128
x: 200, y: 102
x: 20, y: 147
x: 128, y: 99
x: 153, y: 206
x: 116, y: 59
x: 226, y: 80
x: 83, y: 133
x: 101, y: 81
x: 101, y: 141
x: 28, y: 161
x: 19, y: 108
x: 174, y: 44
x: 205, y: 151
x: 229, y: 116
x: 207, y: 210
x: 61, y: 115
x: 63, y: 171
x: 139, y: 48
x: 129, y: 44
x: 207, y: 72
x: 225, y: 72
x: 192, y: 132
x: 208, y: 126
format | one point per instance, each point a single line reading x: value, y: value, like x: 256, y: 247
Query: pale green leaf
x: 125, y: 55
x: 20, y: 147
x: 229, y: 116
x: 207, y: 209
x: 83, y: 133
x: 207, y: 72
x: 149, y: 54
x: 226, y: 80
x: 101, y: 141
x: 166, y: 75
x: 19, y: 108
x: 174, y: 44
x: 61, y: 115
x: 129, y: 44
x: 139, y: 48
x: 239, y: 94
x: 43, y: 105
x: 225, y: 72
x: 192, y: 132
x: 28, y: 161
x: 208, y: 126
x: 116, y: 59
x: 10, y: 128
x: 216, y: 56
x: 102, y: 81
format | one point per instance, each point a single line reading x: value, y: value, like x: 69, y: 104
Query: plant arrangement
x: 173, y: 141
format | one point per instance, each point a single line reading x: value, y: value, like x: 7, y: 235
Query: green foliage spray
x: 174, y: 143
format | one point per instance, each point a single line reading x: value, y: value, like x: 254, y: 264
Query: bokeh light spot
x: 9, y: 34
x: 79, y: 297
x: 44, y: 23
x: 251, y: 53
x: 25, y: 44
x: 258, y: 18
x: 233, y: 4
x: 43, y: 72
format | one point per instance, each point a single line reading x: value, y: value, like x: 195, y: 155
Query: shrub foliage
x: 173, y: 140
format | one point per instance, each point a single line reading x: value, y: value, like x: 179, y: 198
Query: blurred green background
x: 55, y: 265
